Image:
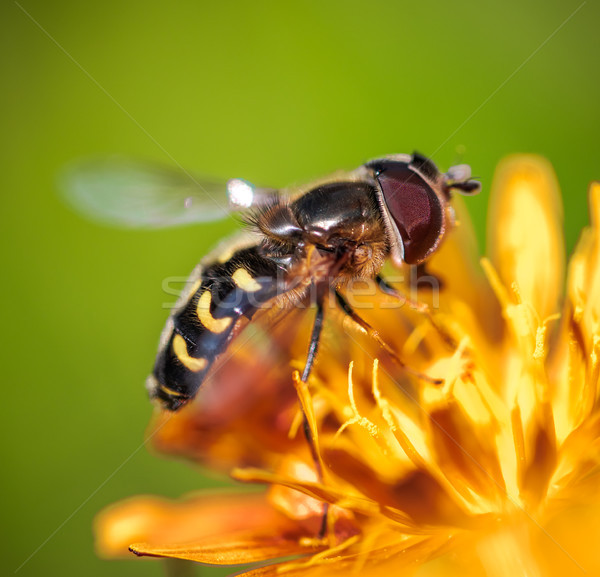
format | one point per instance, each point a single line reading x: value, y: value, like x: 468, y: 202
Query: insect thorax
x: 338, y: 219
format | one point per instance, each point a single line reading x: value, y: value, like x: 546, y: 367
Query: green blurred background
x: 274, y: 92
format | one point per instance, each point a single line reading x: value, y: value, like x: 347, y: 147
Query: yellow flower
x: 495, y: 472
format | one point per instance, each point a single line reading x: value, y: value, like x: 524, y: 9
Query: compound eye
x: 415, y: 208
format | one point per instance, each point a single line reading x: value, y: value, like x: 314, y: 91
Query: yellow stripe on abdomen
x: 203, y: 311
x: 192, y: 363
x: 241, y: 277
x: 170, y: 392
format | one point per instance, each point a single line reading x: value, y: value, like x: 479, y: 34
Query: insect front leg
x: 313, y: 348
x: 422, y: 308
x: 388, y: 289
x: 374, y: 334
x: 314, y: 339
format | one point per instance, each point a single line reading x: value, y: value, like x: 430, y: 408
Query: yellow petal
x: 457, y: 265
x: 398, y: 557
x: 159, y: 521
x: 294, y: 504
x: 569, y: 545
x: 576, y: 354
x: 418, y: 494
x: 469, y: 460
x: 525, y: 240
x: 233, y: 548
x: 589, y: 290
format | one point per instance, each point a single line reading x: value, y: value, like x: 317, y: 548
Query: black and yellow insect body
x: 306, y: 245
x: 220, y: 300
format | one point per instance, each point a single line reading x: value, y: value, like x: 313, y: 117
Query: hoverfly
x: 312, y: 240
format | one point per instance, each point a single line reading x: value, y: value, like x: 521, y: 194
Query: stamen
x: 403, y: 440
x: 515, y: 289
x: 315, y: 489
x: 351, y: 389
x: 590, y: 385
x: 519, y: 441
x: 295, y: 425
x: 382, y: 403
x: 331, y: 554
x: 416, y: 337
x: 367, y: 543
x: 357, y: 419
x: 306, y: 404
x: 540, y: 337
x: 495, y: 282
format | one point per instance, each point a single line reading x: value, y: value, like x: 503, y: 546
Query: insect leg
x: 423, y: 308
x: 388, y: 289
x: 371, y: 332
x: 314, y: 341
x: 310, y: 361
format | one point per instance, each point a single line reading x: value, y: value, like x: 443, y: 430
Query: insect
x: 313, y: 241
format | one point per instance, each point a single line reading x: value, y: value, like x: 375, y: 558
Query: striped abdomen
x: 200, y: 330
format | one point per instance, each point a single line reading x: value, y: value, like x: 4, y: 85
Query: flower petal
x: 525, y: 240
x: 584, y: 281
x: 457, y: 265
x: 468, y: 460
x: 342, y: 496
x: 569, y: 543
x: 233, y: 548
x: 375, y: 558
x: 574, y: 363
x: 159, y: 521
x: 418, y: 494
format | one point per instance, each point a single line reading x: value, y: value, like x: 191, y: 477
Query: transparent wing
x: 135, y: 194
